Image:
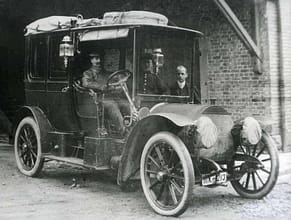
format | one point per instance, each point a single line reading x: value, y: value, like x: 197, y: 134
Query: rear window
x: 38, y: 58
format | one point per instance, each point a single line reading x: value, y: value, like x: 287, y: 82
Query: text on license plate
x: 214, y: 179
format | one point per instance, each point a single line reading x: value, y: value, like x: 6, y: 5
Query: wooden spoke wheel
x: 257, y: 179
x: 167, y: 174
x: 27, y: 147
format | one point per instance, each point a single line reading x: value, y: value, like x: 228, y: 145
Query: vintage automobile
x: 171, y: 142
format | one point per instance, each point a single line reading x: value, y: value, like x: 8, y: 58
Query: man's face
x: 95, y: 61
x: 148, y: 65
x: 181, y: 75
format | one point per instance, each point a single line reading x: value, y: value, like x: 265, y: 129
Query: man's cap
x: 157, y: 50
x: 94, y: 54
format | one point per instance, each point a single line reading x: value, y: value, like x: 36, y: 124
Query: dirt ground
x: 65, y: 192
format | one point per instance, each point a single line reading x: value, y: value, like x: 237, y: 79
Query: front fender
x: 42, y: 121
x: 177, y: 119
x: 141, y: 132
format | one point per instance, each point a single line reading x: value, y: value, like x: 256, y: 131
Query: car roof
x: 139, y: 25
x: 53, y: 25
x: 117, y: 26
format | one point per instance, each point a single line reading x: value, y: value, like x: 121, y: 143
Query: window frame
x: 32, y: 61
x: 51, y: 77
x: 190, y: 68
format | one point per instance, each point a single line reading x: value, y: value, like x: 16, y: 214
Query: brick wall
x: 232, y: 81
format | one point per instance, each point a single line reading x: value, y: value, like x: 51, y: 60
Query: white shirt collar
x: 181, y: 84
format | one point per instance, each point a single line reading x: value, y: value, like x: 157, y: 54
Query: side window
x: 38, y: 58
x: 57, y: 67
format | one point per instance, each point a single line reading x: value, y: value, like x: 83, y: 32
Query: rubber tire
x: 186, y: 161
x: 39, y: 161
x: 273, y: 175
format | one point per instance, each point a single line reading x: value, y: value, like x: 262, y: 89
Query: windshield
x: 165, y: 62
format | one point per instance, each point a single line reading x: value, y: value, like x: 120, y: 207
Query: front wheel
x: 27, y: 147
x: 258, y: 176
x: 167, y: 174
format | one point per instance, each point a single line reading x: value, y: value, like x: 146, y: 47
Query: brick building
x: 232, y: 74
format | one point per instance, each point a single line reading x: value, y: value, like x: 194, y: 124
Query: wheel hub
x: 251, y: 167
x: 161, y: 176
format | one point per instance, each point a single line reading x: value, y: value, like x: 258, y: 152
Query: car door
x: 59, y: 94
x: 36, y: 71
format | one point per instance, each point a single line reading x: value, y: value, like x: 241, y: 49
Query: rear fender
x: 42, y: 121
x: 142, y: 131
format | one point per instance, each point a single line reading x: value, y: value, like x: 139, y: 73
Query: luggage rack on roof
x: 54, y: 23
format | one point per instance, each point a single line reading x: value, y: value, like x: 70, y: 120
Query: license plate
x: 214, y: 179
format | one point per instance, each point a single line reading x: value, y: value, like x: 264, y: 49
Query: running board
x: 75, y: 161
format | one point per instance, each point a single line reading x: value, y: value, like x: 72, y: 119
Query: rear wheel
x: 167, y: 174
x: 27, y: 147
x: 257, y: 178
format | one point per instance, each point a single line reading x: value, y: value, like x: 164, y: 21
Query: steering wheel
x: 118, y: 77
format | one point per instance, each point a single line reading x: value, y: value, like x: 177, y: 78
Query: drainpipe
x: 281, y: 81
x: 258, y: 67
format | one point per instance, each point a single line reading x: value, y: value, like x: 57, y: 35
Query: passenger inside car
x: 151, y: 82
x: 180, y: 87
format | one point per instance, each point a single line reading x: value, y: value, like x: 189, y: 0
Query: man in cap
x: 95, y: 78
x: 92, y: 78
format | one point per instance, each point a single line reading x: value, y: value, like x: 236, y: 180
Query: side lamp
x: 66, y: 49
x: 158, y: 58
